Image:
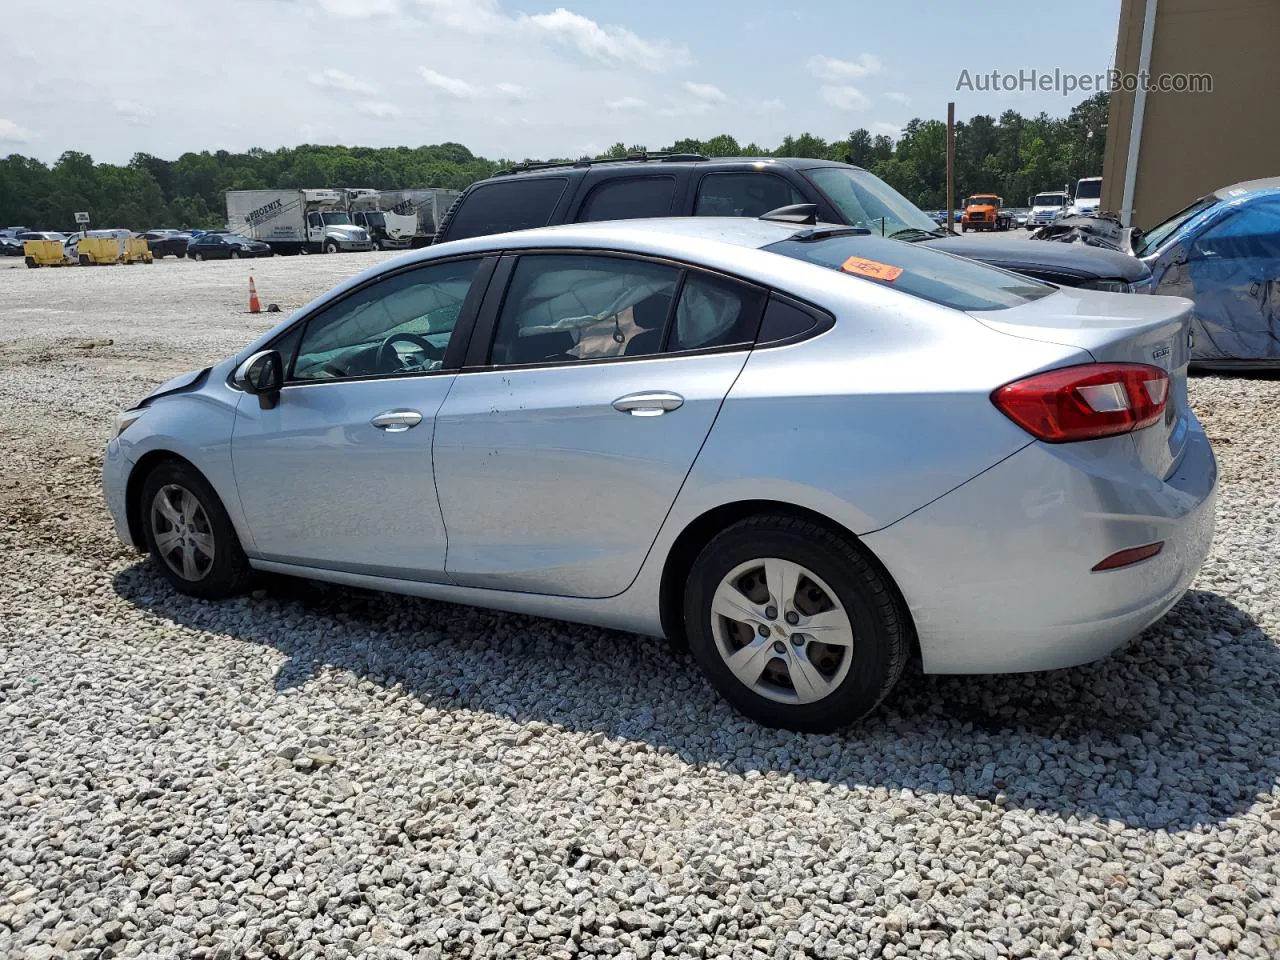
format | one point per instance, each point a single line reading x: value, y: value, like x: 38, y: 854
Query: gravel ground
x: 318, y: 772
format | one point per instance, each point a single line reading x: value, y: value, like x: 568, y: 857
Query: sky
x: 516, y: 78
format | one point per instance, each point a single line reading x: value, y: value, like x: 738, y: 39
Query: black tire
x: 197, y: 257
x: 229, y: 573
x: 881, y: 626
x: 31, y: 263
x: 330, y: 247
x: 235, y: 254
x: 304, y: 250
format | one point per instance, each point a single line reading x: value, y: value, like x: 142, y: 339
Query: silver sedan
x: 808, y: 452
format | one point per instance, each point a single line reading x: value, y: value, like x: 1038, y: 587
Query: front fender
x: 196, y: 427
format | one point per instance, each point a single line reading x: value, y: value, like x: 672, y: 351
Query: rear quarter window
x: 516, y: 204
x: 918, y: 271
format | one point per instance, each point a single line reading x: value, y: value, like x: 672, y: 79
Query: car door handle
x: 648, y: 403
x: 397, y: 421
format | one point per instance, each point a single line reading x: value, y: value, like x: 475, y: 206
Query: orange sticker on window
x: 871, y: 268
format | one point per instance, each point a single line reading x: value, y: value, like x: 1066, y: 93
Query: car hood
x: 179, y: 384
x: 1072, y: 259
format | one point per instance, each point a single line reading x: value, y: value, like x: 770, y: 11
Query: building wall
x: 1193, y: 143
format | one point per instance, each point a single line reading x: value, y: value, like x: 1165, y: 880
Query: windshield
x: 1050, y: 200
x: 375, y: 219
x: 334, y: 218
x: 918, y: 271
x: 1151, y: 239
x: 1089, y: 190
x: 864, y: 200
x: 982, y: 200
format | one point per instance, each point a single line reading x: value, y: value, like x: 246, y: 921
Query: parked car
x: 534, y: 195
x: 10, y: 247
x: 44, y: 235
x: 804, y: 449
x: 225, y: 246
x: 1019, y: 215
x: 167, y: 243
x: 1223, y: 252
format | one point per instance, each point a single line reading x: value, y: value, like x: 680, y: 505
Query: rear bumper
x: 998, y: 573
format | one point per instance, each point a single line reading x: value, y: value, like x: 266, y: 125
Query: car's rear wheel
x: 197, y: 256
x: 794, y: 625
x: 189, y: 535
x: 235, y: 254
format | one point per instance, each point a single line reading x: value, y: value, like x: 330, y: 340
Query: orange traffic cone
x: 254, y: 305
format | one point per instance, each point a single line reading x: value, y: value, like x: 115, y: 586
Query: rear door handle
x: 648, y: 403
x: 397, y: 421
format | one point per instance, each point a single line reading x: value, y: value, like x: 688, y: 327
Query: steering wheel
x: 387, y: 351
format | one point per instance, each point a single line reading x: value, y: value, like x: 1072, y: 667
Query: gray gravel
x: 310, y: 772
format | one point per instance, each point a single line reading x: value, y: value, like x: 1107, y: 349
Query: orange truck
x: 984, y: 211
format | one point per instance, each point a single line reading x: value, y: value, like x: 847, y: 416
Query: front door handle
x: 397, y: 421
x: 648, y: 403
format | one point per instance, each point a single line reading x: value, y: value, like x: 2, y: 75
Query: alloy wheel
x: 782, y: 631
x: 182, y: 533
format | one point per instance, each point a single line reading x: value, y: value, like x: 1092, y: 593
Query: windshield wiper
x: 912, y: 234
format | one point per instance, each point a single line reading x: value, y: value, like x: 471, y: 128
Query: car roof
x: 656, y: 163
x: 733, y: 231
x: 1244, y: 187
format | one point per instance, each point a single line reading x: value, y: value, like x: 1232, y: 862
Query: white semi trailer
x: 400, y: 219
x: 296, y: 221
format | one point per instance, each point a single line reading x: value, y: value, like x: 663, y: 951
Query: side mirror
x: 263, y: 376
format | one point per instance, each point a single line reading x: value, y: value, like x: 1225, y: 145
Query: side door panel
x: 320, y: 485
x: 547, y: 488
x: 553, y: 477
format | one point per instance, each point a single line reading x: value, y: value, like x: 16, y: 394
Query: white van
x: 1088, y: 197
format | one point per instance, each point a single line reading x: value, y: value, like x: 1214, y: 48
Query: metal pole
x: 1139, y: 113
x: 951, y: 163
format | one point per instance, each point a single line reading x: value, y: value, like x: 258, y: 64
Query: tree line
x: 1012, y: 155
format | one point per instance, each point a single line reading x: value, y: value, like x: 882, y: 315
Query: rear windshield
x: 918, y: 271
x: 1089, y: 190
x: 517, y: 204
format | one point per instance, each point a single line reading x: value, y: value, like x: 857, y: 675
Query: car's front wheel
x: 189, y: 535
x: 235, y: 254
x: 330, y: 247
x: 794, y: 625
x: 197, y: 257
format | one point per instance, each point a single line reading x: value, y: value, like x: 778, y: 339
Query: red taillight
x: 1127, y: 558
x: 1085, y: 402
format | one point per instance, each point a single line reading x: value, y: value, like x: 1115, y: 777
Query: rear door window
x: 629, y: 199
x: 745, y: 194
x: 516, y: 204
x: 928, y: 274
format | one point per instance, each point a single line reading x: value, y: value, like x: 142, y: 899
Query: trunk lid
x: 1120, y: 328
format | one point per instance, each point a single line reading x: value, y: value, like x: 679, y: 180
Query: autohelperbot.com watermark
x: 1069, y: 84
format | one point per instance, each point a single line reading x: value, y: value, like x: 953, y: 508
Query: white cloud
x: 772, y: 105
x: 378, y: 109
x: 452, y: 86
x: 888, y: 129
x: 331, y: 79
x: 829, y: 68
x: 360, y: 9
x: 625, y: 103
x: 706, y: 92
x: 512, y: 91
x: 846, y: 98
x: 476, y: 17
x: 10, y: 132
x: 608, y: 44
x: 132, y: 111
x: 901, y: 98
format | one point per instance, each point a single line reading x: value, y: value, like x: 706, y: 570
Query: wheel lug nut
x: 762, y: 630
x: 779, y: 647
x: 771, y: 613
x: 797, y: 639
x: 792, y: 617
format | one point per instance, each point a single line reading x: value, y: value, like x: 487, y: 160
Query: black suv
x: 683, y: 185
